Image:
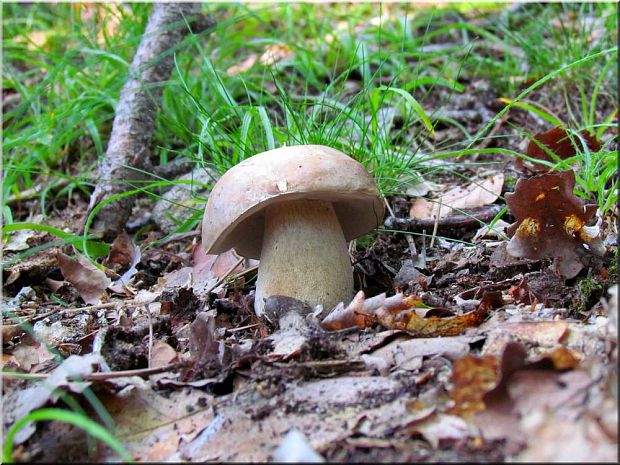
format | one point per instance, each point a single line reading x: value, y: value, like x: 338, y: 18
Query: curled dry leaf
x: 473, y: 195
x: 551, y: 222
x: 89, y: 280
x: 559, y: 141
x: 122, y: 253
x: 354, y: 314
x: 399, y: 312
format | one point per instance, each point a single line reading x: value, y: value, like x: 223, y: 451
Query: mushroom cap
x: 235, y: 213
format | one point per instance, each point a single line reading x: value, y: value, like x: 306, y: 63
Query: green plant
x: 54, y: 414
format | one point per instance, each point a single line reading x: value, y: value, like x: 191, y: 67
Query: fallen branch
x: 127, y: 154
x: 102, y: 376
x: 470, y: 220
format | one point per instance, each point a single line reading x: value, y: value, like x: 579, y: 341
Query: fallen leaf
x: 550, y: 222
x: 26, y: 356
x: 440, y: 427
x: 405, y: 352
x: 203, y: 345
x: 34, y: 267
x: 546, y: 334
x: 352, y: 315
x: 122, y: 253
x: 557, y: 140
x: 473, y: 195
x: 152, y: 426
x: 434, y: 326
x: 19, y: 240
x: 472, y: 377
x: 207, y: 265
x: 399, y: 312
x: 519, y: 389
x: 32, y: 398
x: 89, y: 280
x: 162, y: 354
x: 243, y: 65
x: 552, y: 438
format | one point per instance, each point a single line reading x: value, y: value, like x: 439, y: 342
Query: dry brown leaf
x: 153, y: 426
x: 121, y: 254
x: 556, y: 439
x: 162, y: 354
x: 545, y: 334
x: 203, y: 345
x: 472, y: 377
x: 435, y: 326
x: 399, y: 312
x: 89, y: 280
x: 522, y: 388
x: 26, y: 356
x: 206, y: 265
x: 558, y: 141
x: 550, y: 222
x: 406, y: 352
x: 352, y: 315
x: 472, y: 195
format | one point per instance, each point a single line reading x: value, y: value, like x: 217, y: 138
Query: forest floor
x: 458, y: 350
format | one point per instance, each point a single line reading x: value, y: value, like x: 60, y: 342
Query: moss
x: 509, y: 182
x: 593, y: 286
x: 612, y: 268
x: 590, y: 290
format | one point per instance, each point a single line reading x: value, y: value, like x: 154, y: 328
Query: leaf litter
x: 463, y: 353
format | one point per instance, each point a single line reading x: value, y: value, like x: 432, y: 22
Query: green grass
x: 54, y: 414
x: 364, y: 79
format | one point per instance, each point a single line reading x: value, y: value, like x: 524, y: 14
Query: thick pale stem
x: 304, y: 255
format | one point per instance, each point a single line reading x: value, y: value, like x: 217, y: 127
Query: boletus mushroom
x: 295, y: 209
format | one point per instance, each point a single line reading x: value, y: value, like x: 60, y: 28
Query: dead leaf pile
x: 510, y: 398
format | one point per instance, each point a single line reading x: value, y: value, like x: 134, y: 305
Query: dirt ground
x: 500, y: 358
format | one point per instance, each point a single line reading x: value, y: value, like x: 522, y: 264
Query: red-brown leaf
x: 550, y: 221
x: 558, y: 141
x: 89, y: 280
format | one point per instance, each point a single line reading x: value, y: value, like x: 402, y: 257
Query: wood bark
x: 134, y: 123
x: 471, y: 220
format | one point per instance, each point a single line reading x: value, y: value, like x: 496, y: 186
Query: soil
x: 234, y: 385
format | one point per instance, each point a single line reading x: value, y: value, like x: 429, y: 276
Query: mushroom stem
x: 304, y: 255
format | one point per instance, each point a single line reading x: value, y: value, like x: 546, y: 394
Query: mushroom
x: 294, y: 208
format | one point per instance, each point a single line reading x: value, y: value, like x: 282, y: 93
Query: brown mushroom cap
x: 234, y: 215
